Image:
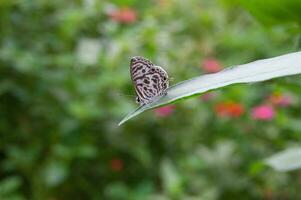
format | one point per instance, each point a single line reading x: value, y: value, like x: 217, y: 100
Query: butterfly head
x: 135, y: 59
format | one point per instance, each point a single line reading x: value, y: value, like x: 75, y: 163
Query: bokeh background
x: 65, y: 85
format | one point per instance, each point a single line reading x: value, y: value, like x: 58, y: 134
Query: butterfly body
x: 150, y: 81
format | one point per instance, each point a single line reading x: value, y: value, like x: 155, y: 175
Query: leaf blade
x: 260, y: 70
x: 287, y: 160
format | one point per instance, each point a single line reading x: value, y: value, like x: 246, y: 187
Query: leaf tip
x: 121, y: 122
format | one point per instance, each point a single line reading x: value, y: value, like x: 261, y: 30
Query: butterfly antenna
x: 171, y: 78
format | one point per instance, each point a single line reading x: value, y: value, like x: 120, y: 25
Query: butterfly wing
x: 149, y: 81
x: 162, y: 79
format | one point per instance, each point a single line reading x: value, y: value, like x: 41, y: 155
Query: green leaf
x: 287, y: 160
x: 9, y: 185
x: 274, y: 11
x: 55, y: 173
x: 256, y: 71
x: 171, y: 178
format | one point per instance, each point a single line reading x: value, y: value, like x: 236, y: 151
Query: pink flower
x: 229, y: 109
x: 164, y: 111
x: 116, y: 164
x: 123, y: 15
x: 279, y: 99
x: 211, y: 65
x: 263, y: 112
x: 208, y: 96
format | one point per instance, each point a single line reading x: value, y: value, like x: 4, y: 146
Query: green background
x: 65, y: 85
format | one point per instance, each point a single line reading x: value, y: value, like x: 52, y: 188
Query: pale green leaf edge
x: 287, y: 160
x: 260, y: 70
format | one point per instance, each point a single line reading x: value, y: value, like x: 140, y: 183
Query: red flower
x: 123, y: 15
x: 116, y: 164
x: 263, y: 112
x: 164, y: 111
x: 229, y: 109
x: 211, y: 65
x: 279, y: 99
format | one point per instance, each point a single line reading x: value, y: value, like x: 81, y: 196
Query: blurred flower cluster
x: 123, y: 15
x: 229, y: 109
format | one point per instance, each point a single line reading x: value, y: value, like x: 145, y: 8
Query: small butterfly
x: 150, y: 81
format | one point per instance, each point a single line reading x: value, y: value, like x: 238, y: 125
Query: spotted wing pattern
x: 150, y: 81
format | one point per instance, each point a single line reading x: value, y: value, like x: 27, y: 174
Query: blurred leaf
x: 116, y: 190
x: 256, y: 71
x: 86, y: 151
x: 88, y: 50
x: 9, y: 185
x: 124, y: 2
x: 287, y: 160
x: 55, y: 173
x: 222, y: 154
x: 256, y: 168
x: 274, y: 11
x: 84, y: 109
x: 170, y: 178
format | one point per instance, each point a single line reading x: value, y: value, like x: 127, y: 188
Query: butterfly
x: 150, y: 81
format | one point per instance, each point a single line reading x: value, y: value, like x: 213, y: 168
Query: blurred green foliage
x: 275, y: 11
x: 64, y: 85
